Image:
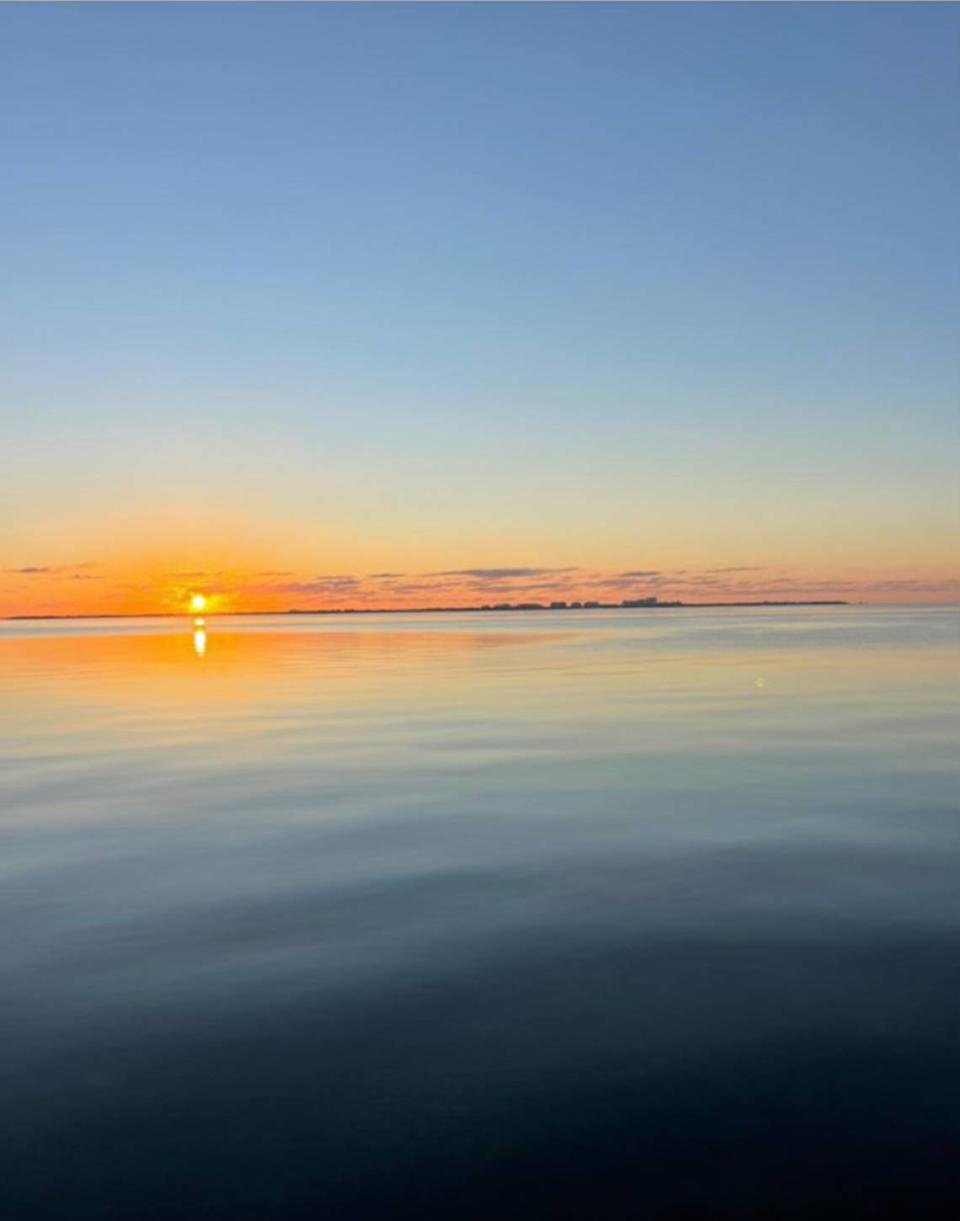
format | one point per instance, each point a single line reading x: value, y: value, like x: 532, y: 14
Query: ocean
x: 581, y: 915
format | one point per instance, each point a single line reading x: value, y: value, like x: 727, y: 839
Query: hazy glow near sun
x: 198, y: 602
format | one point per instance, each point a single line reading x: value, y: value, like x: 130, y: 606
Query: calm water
x: 609, y: 915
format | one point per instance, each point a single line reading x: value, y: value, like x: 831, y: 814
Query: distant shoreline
x: 503, y: 608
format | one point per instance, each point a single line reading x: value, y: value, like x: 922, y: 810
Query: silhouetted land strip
x: 500, y: 607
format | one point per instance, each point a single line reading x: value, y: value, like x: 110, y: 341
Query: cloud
x: 498, y: 574
x: 386, y: 576
x: 318, y: 585
x: 642, y: 572
x: 622, y: 582
x: 418, y: 587
x: 891, y: 585
x: 54, y: 569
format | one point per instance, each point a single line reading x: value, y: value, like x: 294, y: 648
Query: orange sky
x: 92, y: 587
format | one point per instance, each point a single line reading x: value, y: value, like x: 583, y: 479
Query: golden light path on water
x: 198, y: 604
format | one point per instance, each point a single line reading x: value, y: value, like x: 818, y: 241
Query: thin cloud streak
x: 53, y: 570
x: 498, y: 574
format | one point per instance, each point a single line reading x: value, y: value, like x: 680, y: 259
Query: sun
x: 198, y: 602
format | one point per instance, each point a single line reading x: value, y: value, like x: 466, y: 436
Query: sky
x: 386, y: 305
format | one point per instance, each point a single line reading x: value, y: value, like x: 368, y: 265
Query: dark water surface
x: 610, y: 915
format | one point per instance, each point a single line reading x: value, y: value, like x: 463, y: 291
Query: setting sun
x: 198, y: 602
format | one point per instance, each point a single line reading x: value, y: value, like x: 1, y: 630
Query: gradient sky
x: 507, y: 301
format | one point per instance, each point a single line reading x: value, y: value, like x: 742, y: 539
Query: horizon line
x: 513, y: 608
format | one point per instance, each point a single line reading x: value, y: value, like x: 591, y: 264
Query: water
x: 574, y: 915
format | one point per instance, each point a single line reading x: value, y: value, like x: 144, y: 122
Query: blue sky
x: 467, y: 284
